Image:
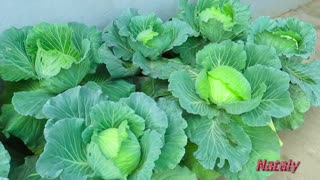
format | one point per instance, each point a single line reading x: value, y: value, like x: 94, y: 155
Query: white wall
x: 100, y: 12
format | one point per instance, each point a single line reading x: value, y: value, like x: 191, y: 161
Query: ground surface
x: 303, y: 144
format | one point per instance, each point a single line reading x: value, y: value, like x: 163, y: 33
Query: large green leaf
x: 5, y: 162
x: 123, y: 21
x: 276, y: 101
x: 189, y: 49
x: 116, y: 89
x: 15, y: 64
x: 118, y: 43
x: 67, y: 78
x: 187, y: 13
x: 65, y: 153
x: 226, y: 53
x: 307, y: 76
x: 30, y: 103
x: 190, y: 161
x: 73, y: 103
x: 153, y: 87
x: 82, y: 32
x: 147, y: 108
x: 265, y: 145
x: 151, y: 145
x: 176, y: 173
x: 178, y: 31
x: 301, y: 104
x: 28, y: 129
x: 116, y: 67
x: 175, y: 137
x: 182, y: 85
x: 263, y: 55
x: 110, y: 114
x: 27, y: 171
x: 219, y: 138
x: 160, y: 68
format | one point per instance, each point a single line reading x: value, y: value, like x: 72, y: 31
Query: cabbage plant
x: 38, y: 63
x: 290, y: 37
x: 129, y: 137
x: 233, y: 90
x: 138, y: 41
x: 228, y: 18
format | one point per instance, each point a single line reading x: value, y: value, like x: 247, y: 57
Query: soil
x: 303, y: 144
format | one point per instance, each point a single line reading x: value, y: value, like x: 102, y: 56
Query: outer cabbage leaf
x: 82, y: 33
x: 290, y: 37
x: 263, y: 55
x: 182, y: 85
x: 175, y: 137
x: 28, y: 129
x: 118, y: 44
x: 30, y: 103
x: 226, y: 53
x: 73, y: 103
x: 301, y: 104
x: 221, y: 138
x: 177, y: 173
x: 154, y: 88
x: 276, y: 101
x: 189, y: 49
x: 65, y: 153
x: 13, y: 56
x: 116, y: 67
x: 27, y: 170
x: 160, y: 68
x: 307, y: 77
x: 265, y: 145
x: 188, y: 14
x: 115, y: 89
x: 5, y: 162
x: 179, y: 31
x: 190, y: 161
